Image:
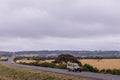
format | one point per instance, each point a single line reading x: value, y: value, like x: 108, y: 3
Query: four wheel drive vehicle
x: 12, y: 62
x: 73, y: 67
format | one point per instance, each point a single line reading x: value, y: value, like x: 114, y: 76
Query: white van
x: 73, y: 67
x: 12, y: 62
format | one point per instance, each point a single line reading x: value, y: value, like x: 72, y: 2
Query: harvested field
x: 30, y: 61
x: 26, y: 61
x: 103, y: 63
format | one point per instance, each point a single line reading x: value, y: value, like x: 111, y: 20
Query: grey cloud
x: 71, y: 19
x: 60, y: 18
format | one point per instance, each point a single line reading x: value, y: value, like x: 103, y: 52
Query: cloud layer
x: 59, y: 24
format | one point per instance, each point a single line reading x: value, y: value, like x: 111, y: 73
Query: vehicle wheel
x: 69, y: 69
x: 74, y: 70
x: 79, y: 70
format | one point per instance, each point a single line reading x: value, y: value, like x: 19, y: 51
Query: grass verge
x: 15, y: 73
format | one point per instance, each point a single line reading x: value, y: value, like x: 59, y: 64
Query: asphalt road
x: 86, y: 75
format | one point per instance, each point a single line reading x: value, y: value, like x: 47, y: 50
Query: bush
x: 27, y: 63
x: 46, y: 64
x: 109, y: 71
x: 53, y: 65
x: 89, y: 68
x: 61, y: 66
x: 103, y: 71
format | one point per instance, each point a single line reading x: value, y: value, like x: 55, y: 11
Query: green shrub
x: 109, y: 71
x: 46, y: 64
x: 53, y: 65
x: 103, y: 71
x: 61, y: 66
x: 89, y: 68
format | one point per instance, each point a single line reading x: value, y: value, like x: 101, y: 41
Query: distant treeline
x: 98, y: 57
x: 49, y: 58
x: 79, y: 54
x: 87, y: 54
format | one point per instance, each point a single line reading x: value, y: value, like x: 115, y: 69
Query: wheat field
x: 30, y: 61
x: 25, y: 60
x: 103, y: 63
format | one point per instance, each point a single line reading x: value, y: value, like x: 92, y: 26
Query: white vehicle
x: 12, y: 62
x: 73, y: 67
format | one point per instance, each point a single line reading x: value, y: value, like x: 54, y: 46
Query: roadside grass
x: 15, y: 73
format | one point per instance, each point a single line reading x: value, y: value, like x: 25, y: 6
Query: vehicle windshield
x: 76, y: 65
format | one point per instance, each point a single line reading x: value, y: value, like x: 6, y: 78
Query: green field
x: 15, y: 73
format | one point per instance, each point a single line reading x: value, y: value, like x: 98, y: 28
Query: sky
x: 59, y: 25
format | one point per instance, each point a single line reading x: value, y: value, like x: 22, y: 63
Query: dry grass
x: 103, y: 64
x: 30, y: 61
x: 7, y: 72
x: 49, y: 61
x: 26, y: 61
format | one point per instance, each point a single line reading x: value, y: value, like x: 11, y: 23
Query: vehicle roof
x: 73, y: 63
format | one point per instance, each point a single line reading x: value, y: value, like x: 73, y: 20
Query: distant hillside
x: 58, y: 52
x: 3, y: 53
x: 75, y: 53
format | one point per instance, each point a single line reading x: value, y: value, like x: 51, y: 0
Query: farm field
x: 30, y: 61
x: 101, y: 64
x: 15, y: 73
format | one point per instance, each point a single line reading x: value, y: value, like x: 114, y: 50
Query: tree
x: 64, y: 58
x: 87, y: 67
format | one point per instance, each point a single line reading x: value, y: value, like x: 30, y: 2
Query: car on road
x: 73, y: 67
x: 12, y: 62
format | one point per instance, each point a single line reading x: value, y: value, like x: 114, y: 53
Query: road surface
x: 87, y: 75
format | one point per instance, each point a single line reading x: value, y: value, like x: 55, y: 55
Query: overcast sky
x: 59, y: 25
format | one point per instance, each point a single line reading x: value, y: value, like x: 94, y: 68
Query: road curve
x: 88, y: 75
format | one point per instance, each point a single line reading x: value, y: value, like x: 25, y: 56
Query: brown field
x: 49, y: 61
x: 30, y: 61
x: 101, y: 64
x: 26, y: 61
